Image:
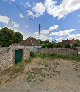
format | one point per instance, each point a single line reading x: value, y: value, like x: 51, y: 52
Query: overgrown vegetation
x: 8, y: 37
x: 39, y: 74
x: 56, y: 56
x: 35, y: 73
x: 53, y: 44
x: 13, y: 71
x: 32, y: 54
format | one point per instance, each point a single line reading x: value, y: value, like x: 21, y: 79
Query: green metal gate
x: 18, y: 56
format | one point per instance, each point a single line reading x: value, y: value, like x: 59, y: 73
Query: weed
x: 46, y: 65
x: 30, y: 77
x: 56, y: 56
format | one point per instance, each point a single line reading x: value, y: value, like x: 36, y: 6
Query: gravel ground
x: 46, y: 75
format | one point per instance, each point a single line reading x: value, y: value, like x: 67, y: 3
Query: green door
x: 18, y: 56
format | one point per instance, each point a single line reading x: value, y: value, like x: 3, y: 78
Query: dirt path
x: 46, y: 75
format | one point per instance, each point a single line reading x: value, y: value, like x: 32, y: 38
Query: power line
x: 20, y: 9
x: 17, y: 6
x: 24, y: 13
x: 27, y: 16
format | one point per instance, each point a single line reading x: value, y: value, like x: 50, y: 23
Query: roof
x: 70, y: 41
x: 30, y: 42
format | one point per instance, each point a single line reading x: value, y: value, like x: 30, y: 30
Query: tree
x: 48, y: 44
x: 67, y: 46
x: 60, y: 45
x: 18, y: 37
x: 77, y: 44
x: 8, y: 37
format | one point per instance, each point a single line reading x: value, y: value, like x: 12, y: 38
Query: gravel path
x: 46, y: 75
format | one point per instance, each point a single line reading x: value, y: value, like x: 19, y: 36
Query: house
x: 12, y: 55
x: 31, y: 43
x: 69, y: 42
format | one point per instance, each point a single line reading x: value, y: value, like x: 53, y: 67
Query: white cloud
x: 21, y: 15
x: 51, y: 7
x: 59, y: 39
x: 30, y: 14
x: 66, y: 7
x: 63, y: 33
x: 27, y: 26
x: 45, y: 32
x: 50, y: 39
x: 4, y: 19
x: 27, y: 4
x: 10, y: 0
x: 75, y: 36
x: 9, y: 23
x: 14, y: 24
x: 54, y: 27
x: 13, y: 0
x: 42, y: 37
x: 39, y: 9
x: 10, y: 27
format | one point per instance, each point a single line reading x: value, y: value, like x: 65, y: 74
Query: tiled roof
x: 70, y: 41
x: 30, y: 42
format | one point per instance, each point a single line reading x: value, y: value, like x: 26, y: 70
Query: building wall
x: 61, y: 51
x: 7, y: 56
x: 71, y: 42
x: 33, y: 48
x: 30, y: 42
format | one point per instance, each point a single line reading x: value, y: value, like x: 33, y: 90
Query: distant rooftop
x: 30, y: 41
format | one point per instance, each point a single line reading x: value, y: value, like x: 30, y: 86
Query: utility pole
x: 39, y: 37
x: 39, y: 29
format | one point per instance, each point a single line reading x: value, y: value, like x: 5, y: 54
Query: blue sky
x: 59, y: 19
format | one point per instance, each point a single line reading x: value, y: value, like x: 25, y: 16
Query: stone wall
x: 7, y: 55
x: 33, y: 48
x: 61, y: 51
x: 78, y: 48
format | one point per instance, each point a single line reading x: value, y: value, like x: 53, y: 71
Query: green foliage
x: 47, y: 44
x: 77, y: 44
x: 8, y: 37
x: 56, y: 56
x: 67, y: 46
x: 60, y: 45
x: 18, y: 37
x: 32, y: 54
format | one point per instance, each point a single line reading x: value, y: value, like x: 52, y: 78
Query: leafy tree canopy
x: 8, y: 37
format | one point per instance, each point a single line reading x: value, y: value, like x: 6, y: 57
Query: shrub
x: 32, y: 54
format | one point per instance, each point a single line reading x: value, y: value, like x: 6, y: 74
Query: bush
x: 32, y: 54
x: 57, y: 56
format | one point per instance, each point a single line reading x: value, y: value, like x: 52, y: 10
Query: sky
x: 59, y: 19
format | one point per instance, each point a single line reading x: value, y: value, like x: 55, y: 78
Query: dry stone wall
x: 61, y: 51
x: 7, y: 56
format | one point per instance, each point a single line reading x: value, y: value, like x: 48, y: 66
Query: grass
x: 39, y: 74
x: 56, y: 56
x: 13, y: 71
x: 16, y: 70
